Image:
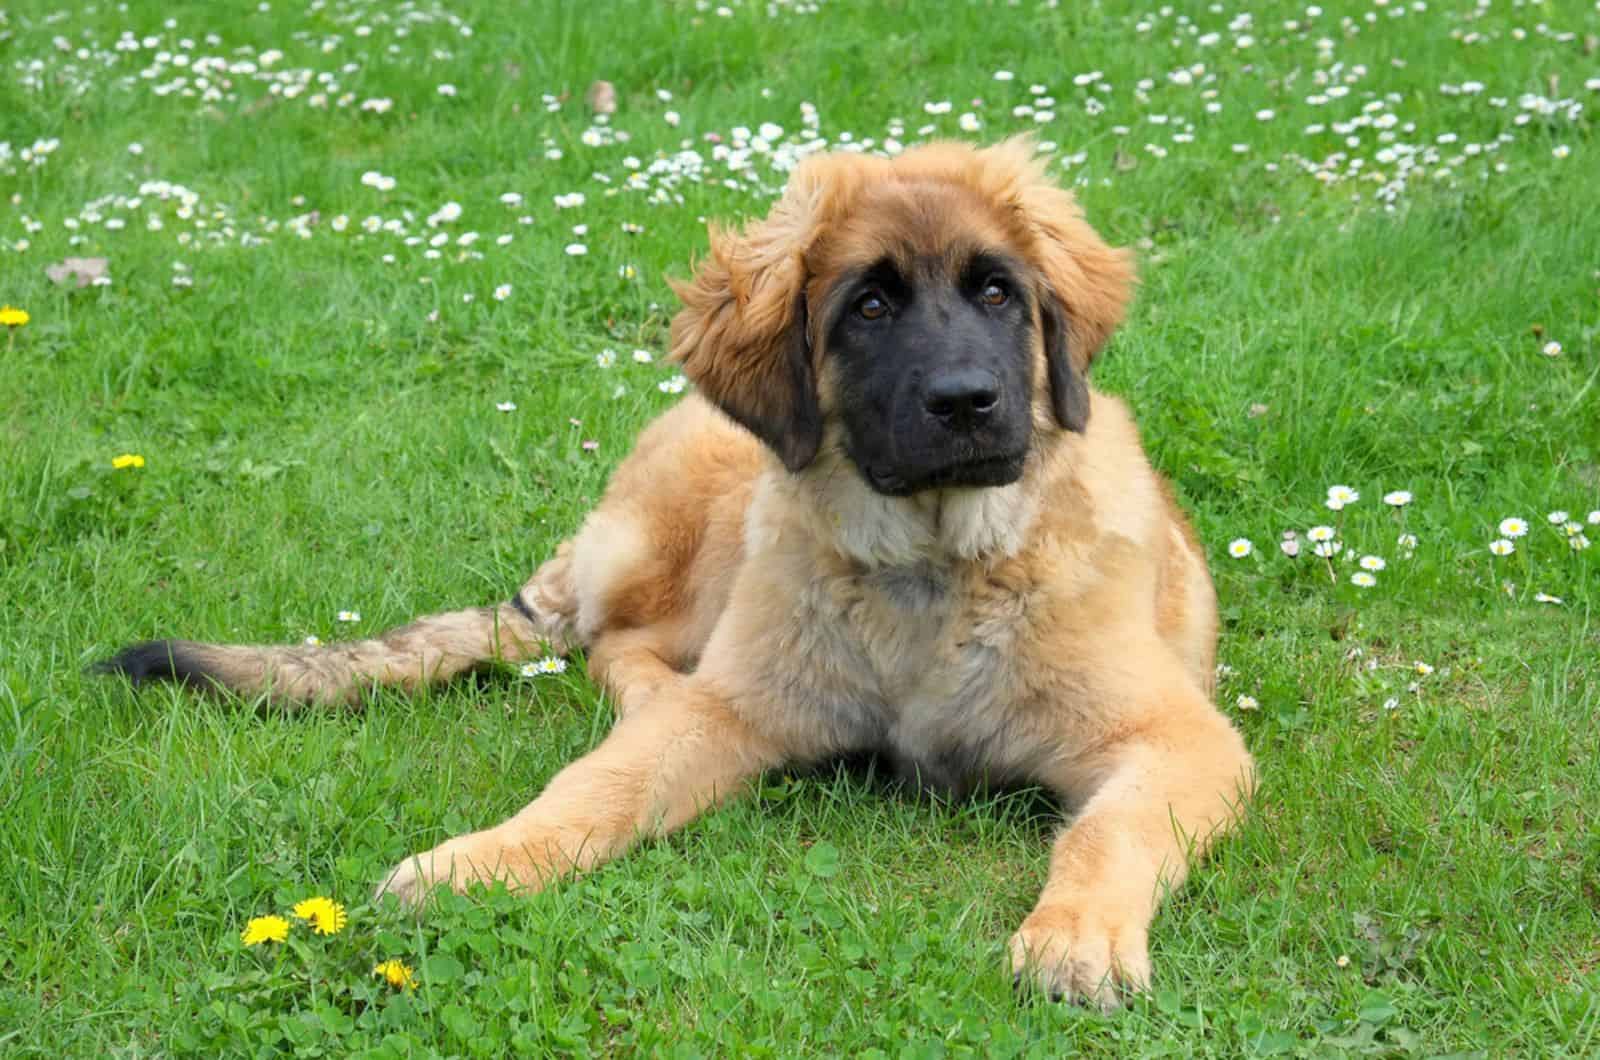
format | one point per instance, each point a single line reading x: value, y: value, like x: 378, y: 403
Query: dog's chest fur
x: 940, y: 647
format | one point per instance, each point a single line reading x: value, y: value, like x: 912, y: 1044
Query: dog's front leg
x: 657, y: 770
x: 1162, y: 795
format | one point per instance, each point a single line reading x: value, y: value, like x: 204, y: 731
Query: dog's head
x: 941, y: 308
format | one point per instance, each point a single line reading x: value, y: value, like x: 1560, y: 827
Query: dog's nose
x: 964, y: 399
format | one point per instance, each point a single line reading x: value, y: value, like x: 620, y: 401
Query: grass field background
x: 1361, y: 229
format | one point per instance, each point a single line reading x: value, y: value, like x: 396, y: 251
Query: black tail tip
x: 158, y: 660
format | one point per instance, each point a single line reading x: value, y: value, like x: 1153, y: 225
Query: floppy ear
x: 742, y: 332
x: 1069, y: 387
x: 1088, y: 283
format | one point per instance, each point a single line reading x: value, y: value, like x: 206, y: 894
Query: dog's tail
x: 428, y: 651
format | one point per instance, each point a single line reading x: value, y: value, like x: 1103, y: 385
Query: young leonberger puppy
x: 894, y: 518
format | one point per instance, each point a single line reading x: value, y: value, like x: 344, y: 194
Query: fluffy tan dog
x: 895, y: 518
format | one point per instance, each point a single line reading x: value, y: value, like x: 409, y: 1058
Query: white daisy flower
x: 1343, y: 494
x: 643, y: 356
x: 450, y: 211
x: 1240, y: 547
x: 1363, y: 579
x: 506, y: 406
x: 1594, y: 517
x: 1247, y: 703
x: 1389, y: 704
x: 1502, y: 546
x: 1373, y: 563
x: 1577, y: 542
x: 528, y: 669
x: 1556, y: 518
x: 1572, y: 526
x: 502, y: 292
x: 1513, y: 526
x: 1551, y: 349
x: 349, y: 616
x: 1546, y: 598
x: 1320, y: 533
x: 1397, y: 498
x: 576, y: 250
x: 1290, y: 547
x: 1327, y: 549
x: 606, y: 358
x: 550, y: 664
x: 1422, y: 668
x: 627, y: 272
x: 313, y: 641
x: 674, y: 385
x: 1407, y: 541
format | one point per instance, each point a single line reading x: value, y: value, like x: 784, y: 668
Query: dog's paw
x: 1085, y: 955
x: 551, y: 603
x: 460, y: 862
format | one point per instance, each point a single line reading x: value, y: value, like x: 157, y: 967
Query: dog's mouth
x: 1000, y: 470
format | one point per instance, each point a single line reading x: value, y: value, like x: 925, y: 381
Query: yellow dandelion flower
x: 396, y: 973
x: 264, y: 929
x: 127, y: 460
x: 13, y: 318
x: 327, y: 917
x: 310, y: 907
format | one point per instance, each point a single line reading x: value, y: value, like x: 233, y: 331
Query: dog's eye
x: 873, y: 306
x: 995, y: 294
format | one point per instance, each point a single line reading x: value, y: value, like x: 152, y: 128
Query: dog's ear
x: 1087, y: 282
x: 1069, y: 387
x: 742, y: 333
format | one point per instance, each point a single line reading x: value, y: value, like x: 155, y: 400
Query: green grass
x: 1416, y: 879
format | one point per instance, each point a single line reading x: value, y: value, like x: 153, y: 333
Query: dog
x: 893, y: 517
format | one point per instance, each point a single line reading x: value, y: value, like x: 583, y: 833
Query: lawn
x: 383, y: 301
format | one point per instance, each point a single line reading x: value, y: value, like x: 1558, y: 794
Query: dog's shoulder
x: 1099, y: 489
